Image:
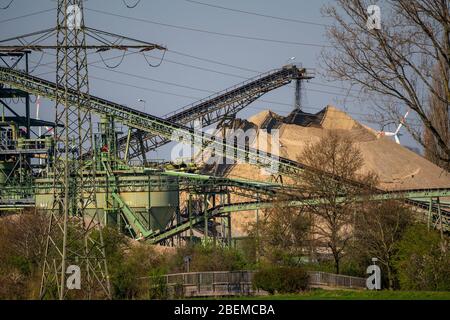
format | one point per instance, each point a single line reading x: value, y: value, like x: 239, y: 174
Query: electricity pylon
x: 70, y: 239
x: 74, y: 239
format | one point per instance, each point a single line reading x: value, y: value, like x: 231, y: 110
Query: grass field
x: 358, y: 295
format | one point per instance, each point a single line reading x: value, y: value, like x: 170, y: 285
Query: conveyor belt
x: 216, y: 107
x: 156, y: 125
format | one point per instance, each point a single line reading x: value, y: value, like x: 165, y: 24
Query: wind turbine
x: 38, y: 107
x: 395, y: 134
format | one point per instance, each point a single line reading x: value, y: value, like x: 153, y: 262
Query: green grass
x: 357, y: 295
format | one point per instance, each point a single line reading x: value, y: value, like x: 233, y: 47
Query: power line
x: 155, y: 65
x: 192, y: 66
x: 259, y: 14
x: 212, y: 61
x: 142, y: 78
x: 199, y: 89
x: 7, y: 6
x: 165, y: 59
x: 27, y: 15
x: 196, y: 98
x: 235, y: 67
x: 200, y: 68
x: 230, y: 35
x: 131, y: 6
x: 145, y: 89
x: 203, y: 69
x: 112, y: 66
x: 190, y: 87
x: 154, y: 80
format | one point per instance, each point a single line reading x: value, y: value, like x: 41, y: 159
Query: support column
x: 142, y: 147
x: 27, y: 103
x: 430, y: 207
x: 214, y: 230
x: 127, y: 146
x: 191, y: 232
x: 257, y: 234
x: 229, y: 221
x: 440, y: 218
x: 205, y: 216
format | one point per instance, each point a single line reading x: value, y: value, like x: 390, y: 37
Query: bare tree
x: 22, y: 244
x: 336, y: 155
x: 393, y: 65
x: 439, y: 116
x: 281, y: 234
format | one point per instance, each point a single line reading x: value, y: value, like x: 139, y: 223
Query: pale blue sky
x: 254, y: 55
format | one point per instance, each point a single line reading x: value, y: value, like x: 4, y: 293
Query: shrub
x: 129, y: 271
x: 157, y: 286
x: 281, y: 280
x: 208, y: 258
x: 422, y: 262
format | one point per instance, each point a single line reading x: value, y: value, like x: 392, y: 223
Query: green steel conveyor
x: 155, y: 125
x: 217, y: 107
x: 417, y: 195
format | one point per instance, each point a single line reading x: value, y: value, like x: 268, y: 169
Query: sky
x: 180, y: 79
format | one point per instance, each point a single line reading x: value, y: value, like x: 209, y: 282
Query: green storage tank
x: 153, y: 198
x: 5, y: 170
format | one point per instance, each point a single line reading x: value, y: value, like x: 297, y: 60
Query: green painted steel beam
x: 399, y: 195
x: 416, y: 194
x: 158, y: 237
x: 224, y: 181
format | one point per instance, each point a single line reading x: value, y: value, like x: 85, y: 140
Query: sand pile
x: 398, y: 168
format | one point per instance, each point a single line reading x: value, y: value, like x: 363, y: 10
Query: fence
x: 239, y: 283
x: 213, y: 283
x: 324, y: 279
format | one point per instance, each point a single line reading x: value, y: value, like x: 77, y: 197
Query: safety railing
x: 318, y: 279
x: 239, y: 283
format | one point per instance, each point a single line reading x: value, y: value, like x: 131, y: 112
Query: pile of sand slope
x: 398, y: 168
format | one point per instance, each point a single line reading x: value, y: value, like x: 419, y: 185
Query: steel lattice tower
x: 298, y: 95
x: 74, y: 237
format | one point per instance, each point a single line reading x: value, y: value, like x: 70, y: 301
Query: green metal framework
x: 437, y: 216
x: 195, y: 183
x: 158, y: 126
